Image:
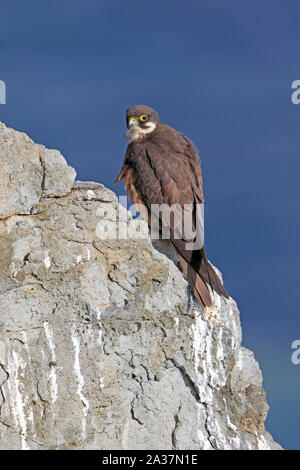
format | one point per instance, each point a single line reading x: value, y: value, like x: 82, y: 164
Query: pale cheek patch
x: 133, y: 133
x: 136, y: 132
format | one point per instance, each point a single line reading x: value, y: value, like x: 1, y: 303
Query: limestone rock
x: 29, y: 171
x: 101, y: 344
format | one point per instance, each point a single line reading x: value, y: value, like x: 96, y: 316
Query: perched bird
x: 162, y: 167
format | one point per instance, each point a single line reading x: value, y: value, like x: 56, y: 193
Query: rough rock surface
x: 101, y: 345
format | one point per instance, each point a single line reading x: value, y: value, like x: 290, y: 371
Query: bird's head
x: 141, y: 120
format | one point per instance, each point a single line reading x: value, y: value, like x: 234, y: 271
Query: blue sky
x: 219, y: 71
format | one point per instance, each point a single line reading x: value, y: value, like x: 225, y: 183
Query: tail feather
x: 210, y: 276
x: 200, y: 274
x: 196, y: 283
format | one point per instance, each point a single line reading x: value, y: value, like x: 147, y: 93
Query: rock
x: 28, y: 172
x: 101, y: 344
x: 58, y: 176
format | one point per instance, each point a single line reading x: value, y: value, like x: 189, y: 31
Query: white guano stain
x: 47, y: 261
x: 204, y: 368
x: 98, y: 313
x: 25, y: 446
x: 124, y: 435
x: 17, y: 395
x: 100, y: 332
x: 53, y: 379
x: 219, y: 436
x: 199, y: 331
x: 30, y: 415
x: 220, y: 351
x: 234, y: 440
x: 262, y: 443
x: 196, y: 345
x: 90, y: 194
x: 79, y: 379
x: 102, y: 384
x: 203, y: 439
x: 14, y: 270
x: 196, y: 341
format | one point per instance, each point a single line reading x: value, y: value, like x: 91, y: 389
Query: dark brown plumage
x: 161, y: 166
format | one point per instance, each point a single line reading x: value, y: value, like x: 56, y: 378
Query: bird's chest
x: 145, y: 178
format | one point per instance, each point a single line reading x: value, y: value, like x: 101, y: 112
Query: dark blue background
x: 219, y: 71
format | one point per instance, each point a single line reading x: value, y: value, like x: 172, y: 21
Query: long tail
x: 200, y: 274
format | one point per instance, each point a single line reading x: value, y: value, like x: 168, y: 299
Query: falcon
x: 162, y: 169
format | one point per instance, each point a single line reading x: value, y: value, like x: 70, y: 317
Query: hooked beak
x: 132, y: 122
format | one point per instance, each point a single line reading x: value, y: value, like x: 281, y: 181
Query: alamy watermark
x: 187, y: 222
x: 295, y: 97
x: 295, y: 357
x: 2, y: 92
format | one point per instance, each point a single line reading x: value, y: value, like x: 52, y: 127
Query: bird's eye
x: 144, y: 118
